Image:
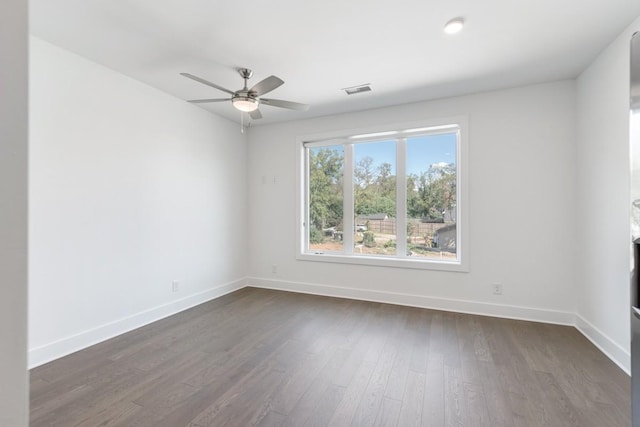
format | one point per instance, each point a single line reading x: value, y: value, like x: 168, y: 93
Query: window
x: 388, y: 197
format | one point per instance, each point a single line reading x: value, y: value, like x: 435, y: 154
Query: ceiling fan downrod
x: 246, y: 74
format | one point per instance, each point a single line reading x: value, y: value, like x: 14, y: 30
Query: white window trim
x: 340, y: 136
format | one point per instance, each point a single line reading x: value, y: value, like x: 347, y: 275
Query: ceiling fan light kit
x: 248, y: 100
x: 245, y: 104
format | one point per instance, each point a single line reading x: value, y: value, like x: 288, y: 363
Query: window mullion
x: 401, y: 197
x: 348, y: 202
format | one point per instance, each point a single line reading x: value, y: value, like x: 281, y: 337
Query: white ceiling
x: 319, y: 47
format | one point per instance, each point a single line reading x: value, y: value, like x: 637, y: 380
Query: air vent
x: 357, y: 89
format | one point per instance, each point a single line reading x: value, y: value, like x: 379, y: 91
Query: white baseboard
x: 435, y: 303
x: 613, y: 350
x: 46, y: 353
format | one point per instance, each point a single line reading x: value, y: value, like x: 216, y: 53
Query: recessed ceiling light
x: 454, y: 26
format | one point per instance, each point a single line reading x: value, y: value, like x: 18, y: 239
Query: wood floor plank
x: 325, y: 407
x: 433, y: 412
x: 229, y: 378
x: 263, y: 357
x: 95, y: 400
x: 316, y: 392
x: 449, y: 343
x: 37, y: 386
x: 413, y: 400
x: 477, y: 409
x: 473, y: 350
x: 296, y: 385
x: 344, y: 413
x: 514, y: 377
x: 243, y: 403
x: 455, y: 405
x: 47, y: 412
x: 164, y: 330
x: 272, y: 419
x: 168, y: 389
x: 308, y: 404
x: 238, y: 403
x: 556, y: 400
x: 111, y: 416
x: 495, y: 396
x: 420, y: 322
x: 358, y: 343
x: 400, y: 371
x: 373, y: 394
x: 389, y: 413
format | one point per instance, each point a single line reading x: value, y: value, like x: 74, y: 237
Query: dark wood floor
x: 260, y: 357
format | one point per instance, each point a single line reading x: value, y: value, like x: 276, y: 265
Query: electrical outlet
x: 274, y: 269
x: 175, y: 286
x: 497, y: 288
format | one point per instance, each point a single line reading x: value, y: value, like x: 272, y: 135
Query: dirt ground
x: 330, y: 245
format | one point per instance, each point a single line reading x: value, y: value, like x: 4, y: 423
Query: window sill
x: 420, y: 264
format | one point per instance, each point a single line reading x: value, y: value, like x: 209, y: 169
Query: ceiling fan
x: 248, y: 100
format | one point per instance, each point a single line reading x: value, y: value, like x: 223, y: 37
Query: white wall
x: 13, y: 213
x: 130, y: 189
x: 522, y: 208
x: 602, y: 155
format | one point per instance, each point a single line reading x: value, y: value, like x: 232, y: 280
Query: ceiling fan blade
x: 202, y: 101
x: 284, y: 104
x: 255, y: 114
x: 208, y: 83
x: 266, y: 85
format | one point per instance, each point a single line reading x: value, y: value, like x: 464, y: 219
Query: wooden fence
x: 417, y: 228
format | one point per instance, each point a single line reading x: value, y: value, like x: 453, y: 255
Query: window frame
x: 379, y: 133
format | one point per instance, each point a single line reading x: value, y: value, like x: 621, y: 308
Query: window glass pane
x: 374, y: 179
x: 431, y: 196
x: 326, y: 196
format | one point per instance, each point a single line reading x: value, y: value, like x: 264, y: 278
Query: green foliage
x: 390, y: 243
x: 432, y: 192
x: 325, y: 187
x: 375, y: 189
x: 316, y: 236
x: 370, y: 204
x: 418, y: 249
x: 368, y: 239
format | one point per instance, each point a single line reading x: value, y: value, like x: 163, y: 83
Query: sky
x: 422, y: 151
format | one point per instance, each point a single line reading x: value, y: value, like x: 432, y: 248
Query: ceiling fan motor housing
x: 245, y: 73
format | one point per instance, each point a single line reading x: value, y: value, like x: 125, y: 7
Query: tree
x: 325, y: 187
x: 432, y: 192
x: 375, y: 188
x: 363, y: 174
x: 386, y: 182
